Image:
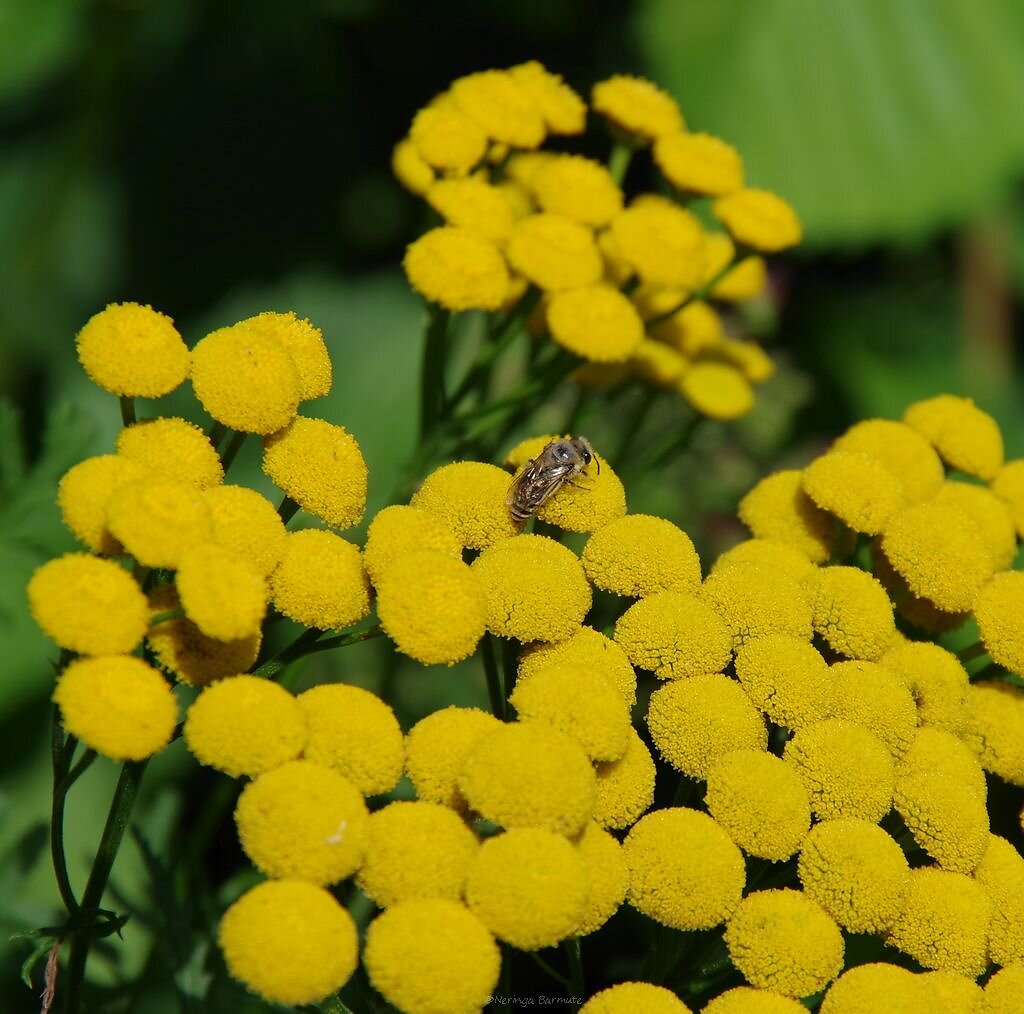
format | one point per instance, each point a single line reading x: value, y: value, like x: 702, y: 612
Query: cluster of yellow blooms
x: 624, y: 284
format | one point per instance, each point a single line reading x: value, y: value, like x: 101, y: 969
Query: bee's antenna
x: 598, y: 460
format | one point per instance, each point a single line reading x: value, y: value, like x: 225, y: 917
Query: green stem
x: 333, y: 1005
x: 632, y: 426
x: 166, y: 617
x: 232, y: 449
x: 657, y: 454
x: 216, y: 433
x: 287, y: 509
x: 127, y: 409
x: 577, y: 985
x: 698, y: 294
x: 971, y: 652
x: 556, y: 975
x: 61, y: 751
x: 341, y: 640
x: 494, y: 687
x: 299, y: 647
x: 618, y: 161
x: 433, y: 402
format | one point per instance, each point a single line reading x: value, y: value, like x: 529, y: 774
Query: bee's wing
x: 536, y: 483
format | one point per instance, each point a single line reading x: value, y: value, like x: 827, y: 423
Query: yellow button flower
x: 290, y: 942
x: 659, y: 364
x: 921, y: 612
x: 845, y: 768
x: 304, y: 343
x: 529, y: 887
x: 902, y: 450
x: 578, y: 188
x: 534, y: 588
x: 786, y: 678
x: 638, y: 555
x: 428, y: 955
x: 877, y: 987
x: 936, y: 679
x: 938, y: 754
x: 173, y: 447
x: 564, y: 112
x: 245, y: 725
x: 605, y: 866
x: 695, y: 722
x: 998, y: 609
x: 399, y: 530
x: 596, y: 322
x: 447, y: 138
x: 1003, y: 990
x: 759, y: 219
x: 223, y: 594
x: 944, y: 923
x: 785, y: 942
x: 684, y: 872
x: 662, y: 242
x: 637, y: 106
x: 247, y: 523
x: 1001, y: 873
x: 1008, y: 485
x: 856, y: 872
x: 554, y: 252
x: 699, y: 163
x: 874, y: 696
x: 470, y: 497
x: 320, y: 581
x: 523, y: 166
x: 966, y: 438
x: 501, y: 106
x: 625, y: 788
x: 472, y: 203
x: 760, y: 802
x: 747, y: 280
x: 778, y: 508
x: 851, y: 612
x: 755, y: 601
x: 133, y: 351
x: 674, y: 635
x: 772, y: 553
x: 88, y: 605
x: 693, y: 329
x: 953, y: 991
x: 457, y: 268
x: 410, y: 168
x: 303, y: 821
x: 415, y: 850
x: 995, y: 728
x: 355, y: 732
x: 855, y: 487
x: 628, y: 997
x: 528, y: 774
x: 82, y: 496
x: 989, y: 513
x: 747, y: 1000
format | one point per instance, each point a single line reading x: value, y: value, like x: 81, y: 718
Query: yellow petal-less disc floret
x: 778, y: 508
x: 117, y: 705
x: 966, y: 438
x: 578, y: 188
x: 245, y: 521
x: 998, y: 609
x: 693, y: 329
x: 995, y: 728
x: 470, y: 497
x: 534, y: 588
x: 953, y: 992
x: 596, y: 322
x: 695, y: 722
x: 876, y: 987
x: 684, y: 872
x: 674, y: 635
x: 747, y: 280
x: 432, y: 956
x: 501, y: 106
x: 639, y: 554
x: 399, y: 530
x: 245, y: 725
x: 627, y: 997
x: 564, y: 112
x: 410, y: 168
x: 223, y: 594
x: 304, y: 343
x: 289, y: 941
x: 699, y: 163
x: 662, y: 242
x: 851, y: 612
x: 447, y: 138
x: 554, y: 252
x: 416, y: 849
x: 772, y: 553
x: 846, y: 769
x: 855, y: 487
x: 431, y: 606
x: 786, y: 678
x: 589, y: 649
x: 902, y: 450
x: 937, y: 680
x: 355, y: 732
x: 133, y: 351
x: 717, y: 390
x: 474, y: 204
x: 320, y: 581
x: 1003, y: 990
x: 529, y: 887
x: 303, y: 821
x: 88, y: 605
x: 783, y: 941
x: 760, y: 802
x: 173, y: 447
x: 759, y: 219
x: 625, y: 788
x: 747, y: 1000
x: 1001, y: 873
x: 605, y: 866
x: 320, y: 466
x: 873, y: 695
x: 989, y: 513
x: 82, y: 496
x: 856, y: 872
x: 944, y: 923
x: 1008, y: 485
x: 755, y: 601
x: 637, y: 106
x: 528, y: 774
x: 457, y: 268
x: 659, y: 364
x: 938, y: 754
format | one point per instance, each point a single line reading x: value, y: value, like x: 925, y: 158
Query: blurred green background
x: 217, y: 158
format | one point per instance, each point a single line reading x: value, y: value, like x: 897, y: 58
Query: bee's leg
x: 578, y: 485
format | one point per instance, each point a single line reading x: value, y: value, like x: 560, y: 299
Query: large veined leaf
x: 879, y: 119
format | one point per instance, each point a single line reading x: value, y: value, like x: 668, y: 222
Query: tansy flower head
x: 684, y: 872
x: 692, y: 329
x: 1001, y: 873
x: 845, y: 768
x: 967, y: 438
x: 223, y: 594
x: 759, y: 218
x: 320, y: 466
x: 638, y: 554
x: 457, y: 268
x: 410, y: 168
x: 989, y: 513
x: 87, y: 605
x: 673, y: 634
x: 786, y: 678
x: 876, y: 987
x: 936, y: 679
x: 501, y: 106
x: 116, y: 705
x: 564, y: 112
x: 695, y: 722
x: 921, y: 612
x: 471, y: 203
x: 133, y: 351
x: 596, y: 322
x: 855, y: 487
x: 785, y: 942
x: 877, y: 698
x: 637, y: 106
x: 304, y: 342
x: 998, y: 609
x: 851, y: 612
x: 856, y: 872
x: 528, y: 774
x: 748, y: 279
x: 662, y: 242
x: 529, y: 887
x: 778, y: 508
x: 447, y: 138
x: 605, y: 866
x: 355, y: 732
x: 83, y: 493
x: 1008, y: 485
x: 554, y: 252
x: 415, y: 850
x: 534, y: 588
x: 902, y: 450
x: 938, y: 754
x: 995, y: 728
x: 1003, y: 990
x: 470, y: 497
x: 944, y: 923
x: 659, y: 364
x: 289, y: 941
x: 320, y: 581
x: 760, y: 802
x: 772, y: 553
x: 578, y: 188
x: 627, y: 997
x: 245, y: 725
x: 303, y: 821
x: 625, y: 788
x: 747, y: 1000
x: 699, y: 163
x: 174, y: 447
x: 428, y: 955
x: 247, y: 523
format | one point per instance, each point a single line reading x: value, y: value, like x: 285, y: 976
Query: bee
x: 558, y: 463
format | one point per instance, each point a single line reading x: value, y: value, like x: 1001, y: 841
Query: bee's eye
x: 562, y: 453
x: 586, y: 457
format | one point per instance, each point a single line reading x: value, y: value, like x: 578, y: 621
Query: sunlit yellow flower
x: 998, y: 609
x: 786, y: 678
x: 471, y: 203
x: 673, y: 634
x: 855, y: 487
x: 1003, y: 991
x: 717, y: 390
x: 1001, y: 873
x: 520, y: 201
x: 874, y: 696
x: 617, y: 270
x: 245, y: 725
x: 133, y: 351
x: 692, y: 330
x: 596, y: 322
x: 684, y: 872
x: 851, y: 612
x: 457, y: 268
x: 303, y: 821
x: 564, y: 112
x: 223, y: 594
x: 501, y: 106
x: 778, y: 508
x: 699, y: 163
x: 953, y: 992
x: 627, y: 997
x: 355, y: 732
x: 784, y: 941
x: 245, y: 521
x: 865, y: 989
x: 921, y: 612
x: 747, y: 280
x: 625, y: 788
x: 523, y: 166
x: 447, y: 138
x: 605, y: 866
x: 589, y: 649
x: 695, y: 722
x: 1008, y: 485
x: 902, y: 450
x: 116, y: 705
x: 173, y: 447
x: 304, y: 342
x: 937, y: 680
x: 748, y: 1000
x: 578, y: 188
x: 82, y: 496
x: 637, y: 106
x: 719, y: 253
x: 88, y: 605
x: 659, y: 364
x: 938, y: 754
x: 772, y: 553
x: 432, y: 956
x: 527, y: 774
x: 755, y: 601
x: 966, y: 438
x: 759, y: 219
x: 554, y: 252
x: 995, y: 728
x: 989, y: 513
x: 600, y: 376
x: 289, y: 941
x: 410, y: 168
x: 662, y: 242
x: 845, y: 768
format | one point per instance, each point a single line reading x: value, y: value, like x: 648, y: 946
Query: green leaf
x: 36, y: 38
